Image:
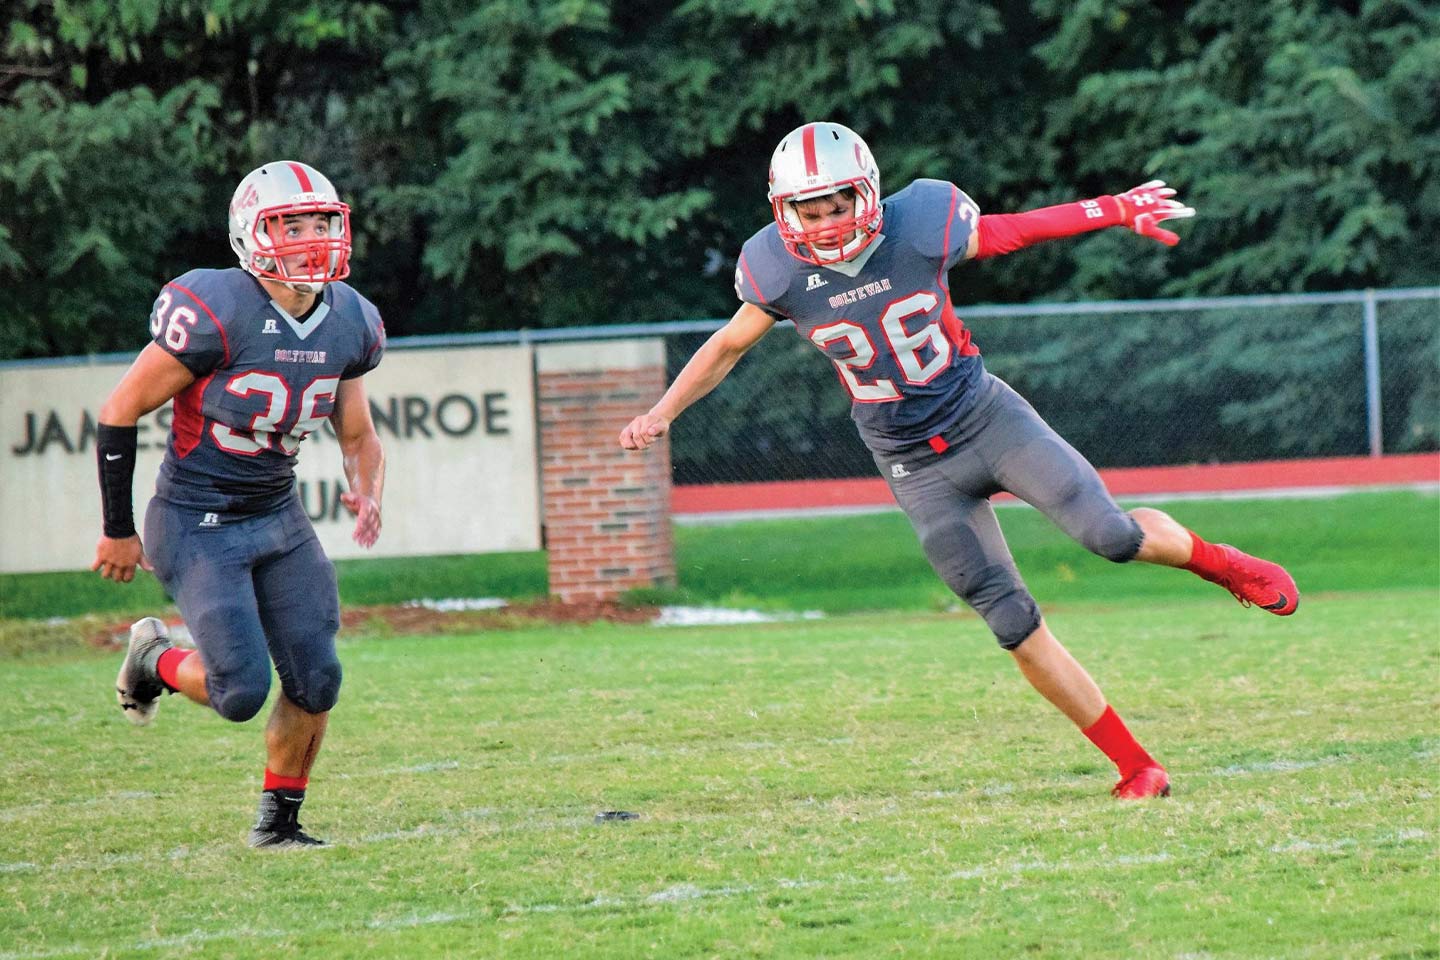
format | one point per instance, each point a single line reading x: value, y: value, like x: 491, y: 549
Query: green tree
x: 588, y: 162
x: 1304, y: 133
x: 124, y: 127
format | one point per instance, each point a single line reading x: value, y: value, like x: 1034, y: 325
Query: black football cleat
x: 276, y: 824
x: 282, y: 839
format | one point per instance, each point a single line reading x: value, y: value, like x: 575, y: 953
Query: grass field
x: 872, y: 562
x: 872, y: 784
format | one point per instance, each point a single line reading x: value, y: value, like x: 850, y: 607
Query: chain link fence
x: 1129, y: 383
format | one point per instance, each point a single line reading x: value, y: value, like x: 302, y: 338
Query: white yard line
x: 684, y: 893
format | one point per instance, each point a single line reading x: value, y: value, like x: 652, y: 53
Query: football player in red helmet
x: 255, y: 358
x: 866, y: 281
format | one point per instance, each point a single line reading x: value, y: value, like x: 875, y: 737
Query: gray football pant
x: 252, y: 589
x: 1003, y: 445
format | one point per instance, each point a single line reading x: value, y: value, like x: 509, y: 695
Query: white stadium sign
x: 458, y: 426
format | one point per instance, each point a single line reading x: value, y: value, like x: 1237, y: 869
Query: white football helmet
x: 258, y: 210
x: 813, y: 161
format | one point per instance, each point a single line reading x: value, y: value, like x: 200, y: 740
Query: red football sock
x: 273, y: 781
x: 168, y: 665
x: 1110, y: 734
x: 1206, y: 559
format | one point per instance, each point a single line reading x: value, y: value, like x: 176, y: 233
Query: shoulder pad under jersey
x: 935, y: 217
x: 188, y: 318
x: 351, y: 306
x: 765, y: 270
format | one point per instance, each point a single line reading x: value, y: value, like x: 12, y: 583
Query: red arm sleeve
x: 1002, y: 233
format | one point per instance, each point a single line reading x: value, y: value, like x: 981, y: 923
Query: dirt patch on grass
x: 106, y: 633
x: 416, y: 619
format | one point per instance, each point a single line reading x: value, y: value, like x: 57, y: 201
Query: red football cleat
x: 1146, y: 782
x: 1260, y: 583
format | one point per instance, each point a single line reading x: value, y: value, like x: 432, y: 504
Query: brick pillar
x: 606, y: 510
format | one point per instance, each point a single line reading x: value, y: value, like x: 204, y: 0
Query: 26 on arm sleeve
x: 1141, y: 209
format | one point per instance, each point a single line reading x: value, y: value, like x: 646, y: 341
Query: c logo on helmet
x: 860, y: 158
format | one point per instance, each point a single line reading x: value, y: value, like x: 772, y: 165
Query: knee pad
x: 316, y: 686
x: 237, y: 669
x: 238, y: 698
x: 999, y: 596
x: 1116, y: 536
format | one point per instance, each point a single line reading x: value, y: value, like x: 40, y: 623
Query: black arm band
x: 115, y: 453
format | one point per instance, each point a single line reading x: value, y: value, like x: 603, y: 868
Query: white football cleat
x: 138, y: 686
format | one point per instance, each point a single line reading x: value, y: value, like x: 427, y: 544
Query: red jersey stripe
x: 189, y: 423
x: 954, y: 202
x: 955, y: 327
x: 753, y: 285
x: 958, y: 334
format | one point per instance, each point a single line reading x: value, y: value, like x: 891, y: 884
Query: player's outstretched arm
x: 1141, y: 209
x: 363, y: 458
x: 153, y: 379
x: 703, y: 373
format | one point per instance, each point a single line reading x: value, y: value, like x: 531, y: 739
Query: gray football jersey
x: 263, y: 381
x: 906, y: 360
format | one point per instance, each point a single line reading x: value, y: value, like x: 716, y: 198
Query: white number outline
x: 906, y: 346
x: 862, y: 356
x: 248, y: 443
x: 263, y: 426
x: 162, y: 307
x: 903, y: 345
x: 176, y: 336
x: 309, y: 419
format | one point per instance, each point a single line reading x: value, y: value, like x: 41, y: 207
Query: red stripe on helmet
x: 807, y: 144
x: 303, y: 177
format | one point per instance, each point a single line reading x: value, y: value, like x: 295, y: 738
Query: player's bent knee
x: 240, y: 702
x: 999, y: 596
x: 1117, y: 537
x: 1013, y: 618
x: 319, y: 689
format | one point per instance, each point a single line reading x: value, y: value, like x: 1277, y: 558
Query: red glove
x: 1144, y: 207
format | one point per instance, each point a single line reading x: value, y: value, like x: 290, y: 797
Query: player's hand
x: 644, y: 430
x: 1146, y: 206
x: 366, y: 510
x: 116, y: 559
